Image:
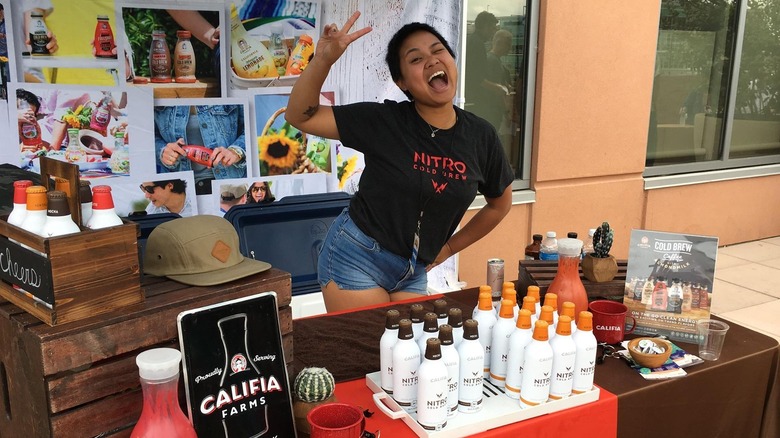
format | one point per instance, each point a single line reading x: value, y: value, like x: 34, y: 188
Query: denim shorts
x: 355, y: 261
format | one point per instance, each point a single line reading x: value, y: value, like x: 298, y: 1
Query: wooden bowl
x: 650, y: 360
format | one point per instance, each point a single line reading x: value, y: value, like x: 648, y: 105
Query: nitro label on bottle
x: 236, y: 383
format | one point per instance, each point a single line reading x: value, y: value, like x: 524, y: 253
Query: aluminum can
x: 495, y: 277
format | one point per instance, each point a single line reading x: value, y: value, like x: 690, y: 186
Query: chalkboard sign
x: 26, y: 269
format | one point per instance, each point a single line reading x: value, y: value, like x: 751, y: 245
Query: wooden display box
x: 81, y: 379
x: 542, y: 272
x: 80, y: 275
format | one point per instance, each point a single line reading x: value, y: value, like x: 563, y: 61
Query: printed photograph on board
x: 271, y: 42
x: 175, y: 51
x: 80, y: 126
x: 263, y: 191
x: 208, y: 139
x: 67, y: 42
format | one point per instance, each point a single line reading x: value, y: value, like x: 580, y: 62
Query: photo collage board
x: 178, y: 105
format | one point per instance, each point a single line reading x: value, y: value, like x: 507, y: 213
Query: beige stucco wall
x: 594, y: 83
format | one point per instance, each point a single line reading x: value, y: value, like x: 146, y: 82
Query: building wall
x: 594, y: 85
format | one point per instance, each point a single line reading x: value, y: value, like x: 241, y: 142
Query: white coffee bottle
x: 585, y: 360
x: 567, y: 308
x: 440, y: 308
x: 85, y: 198
x: 103, y: 213
x: 564, y: 352
x: 35, y: 218
x: 416, y: 314
x: 449, y: 355
x: 508, y: 292
x: 533, y: 291
x: 537, y: 366
x: 430, y: 330
x: 432, y: 391
x: 486, y: 319
x: 17, y: 215
x: 529, y: 303
x: 58, y: 219
x: 500, y: 344
x: 455, y: 320
x: 551, y: 299
x: 547, y: 316
x: 386, y: 343
x: 516, y: 354
x: 406, y: 361
x: 484, y: 289
x: 472, y: 359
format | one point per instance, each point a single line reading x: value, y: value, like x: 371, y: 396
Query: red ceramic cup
x: 609, y: 321
x: 336, y: 420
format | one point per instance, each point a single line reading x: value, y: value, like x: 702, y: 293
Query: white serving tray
x: 497, y: 410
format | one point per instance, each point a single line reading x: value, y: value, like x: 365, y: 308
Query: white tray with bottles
x: 497, y: 410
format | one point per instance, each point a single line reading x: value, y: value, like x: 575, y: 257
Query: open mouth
x: 438, y: 81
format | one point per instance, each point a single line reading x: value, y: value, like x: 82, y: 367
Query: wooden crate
x: 542, y: 272
x: 80, y: 379
x: 80, y: 275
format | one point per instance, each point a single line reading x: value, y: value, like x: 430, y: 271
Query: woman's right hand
x: 334, y: 41
x: 172, y: 151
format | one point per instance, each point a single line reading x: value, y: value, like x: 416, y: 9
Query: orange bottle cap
x: 36, y: 198
x: 540, y: 331
x: 586, y: 321
x: 533, y: 291
x: 507, y: 309
x: 567, y: 308
x: 485, y: 301
x: 523, y: 319
x: 564, y: 326
x: 551, y: 299
x: 547, y: 314
x: 529, y: 303
x: 485, y: 288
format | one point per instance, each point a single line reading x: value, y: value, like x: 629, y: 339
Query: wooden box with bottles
x: 72, y: 277
x: 80, y: 379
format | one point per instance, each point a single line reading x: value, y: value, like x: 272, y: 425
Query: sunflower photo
x: 285, y: 150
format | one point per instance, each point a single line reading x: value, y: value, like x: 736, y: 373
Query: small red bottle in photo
x: 198, y: 154
x: 104, y: 38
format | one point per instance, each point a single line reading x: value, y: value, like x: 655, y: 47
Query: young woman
x: 259, y: 193
x: 425, y: 161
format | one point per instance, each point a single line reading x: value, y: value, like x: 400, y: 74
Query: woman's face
x: 428, y: 71
x: 258, y: 192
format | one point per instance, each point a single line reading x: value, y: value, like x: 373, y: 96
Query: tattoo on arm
x: 310, y: 111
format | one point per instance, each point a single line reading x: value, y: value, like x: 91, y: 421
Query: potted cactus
x: 312, y: 387
x: 600, y: 266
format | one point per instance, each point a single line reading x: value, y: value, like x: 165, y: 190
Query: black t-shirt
x: 408, y: 171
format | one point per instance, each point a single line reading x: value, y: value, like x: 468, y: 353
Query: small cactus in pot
x: 600, y: 266
x: 312, y: 387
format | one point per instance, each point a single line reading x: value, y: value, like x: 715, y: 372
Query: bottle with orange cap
x: 103, y: 213
x: 547, y: 316
x: 519, y: 339
x: 585, y: 359
x: 483, y: 290
x: 537, y: 366
x: 508, y: 292
x: 19, y: 211
x: 529, y: 303
x: 533, y: 291
x: 567, y: 308
x: 551, y: 299
x: 500, y: 344
x: 564, y: 351
x: 36, y: 210
x: 485, y: 315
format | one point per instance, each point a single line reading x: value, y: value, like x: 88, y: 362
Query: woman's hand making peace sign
x: 334, y: 41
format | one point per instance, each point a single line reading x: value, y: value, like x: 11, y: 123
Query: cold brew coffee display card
x: 669, y: 282
x: 234, y: 370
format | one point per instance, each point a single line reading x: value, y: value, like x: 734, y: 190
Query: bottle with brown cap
x: 547, y: 316
x: 551, y: 299
x: 416, y: 314
x: 386, y: 343
x: 449, y: 355
x: 585, y: 359
x: 58, y: 220
x: 406, y: 361
x: 440, y: 308
x: 532, y: 250
x: 486, y: 317
x: 17, y: 215
x: 472, y: 359
x: 103, y: 213
x: 500, y: 345
x: 533, y: 291
x: 36, y: 210
x: 537, y: 366
x: 432, y: 390
x: 430, y: 330
x: 564, y: 351
x: 85, y: 197
x: 455, y: 320
x: 514, y: 364
x: 567, y: 308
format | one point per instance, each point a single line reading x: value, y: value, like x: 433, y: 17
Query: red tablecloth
x: 597, y: 419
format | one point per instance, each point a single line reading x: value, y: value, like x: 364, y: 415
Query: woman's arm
x: 482, y: 223
x: 303, y: 109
